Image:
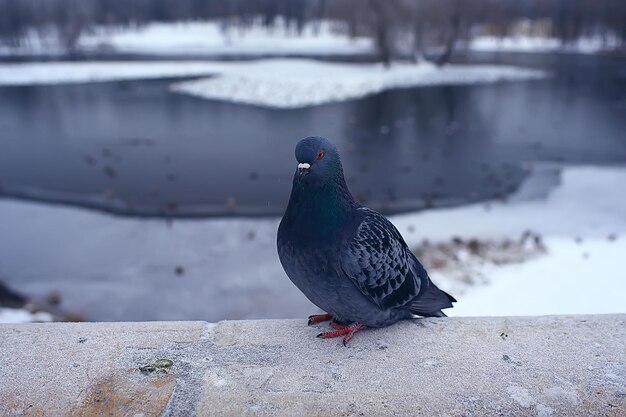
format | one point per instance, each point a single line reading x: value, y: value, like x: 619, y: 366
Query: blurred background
x: 146, y: 149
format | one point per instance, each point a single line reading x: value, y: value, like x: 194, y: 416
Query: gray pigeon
x: 350, y: 261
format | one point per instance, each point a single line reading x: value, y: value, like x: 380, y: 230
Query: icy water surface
x: 134, y: 147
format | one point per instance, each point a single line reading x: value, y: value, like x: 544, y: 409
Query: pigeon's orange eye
x: 320, y: 155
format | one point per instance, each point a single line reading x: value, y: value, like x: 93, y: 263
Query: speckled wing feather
x: 379, y: 263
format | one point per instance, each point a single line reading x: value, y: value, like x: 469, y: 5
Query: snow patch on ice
x: 295, y: 83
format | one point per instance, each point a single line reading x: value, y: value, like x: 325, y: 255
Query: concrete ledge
x: 547, y: 366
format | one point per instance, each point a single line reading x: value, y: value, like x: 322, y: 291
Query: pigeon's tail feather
x: 431, y: 302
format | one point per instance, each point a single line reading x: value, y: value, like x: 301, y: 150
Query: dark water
x: 134, y: 147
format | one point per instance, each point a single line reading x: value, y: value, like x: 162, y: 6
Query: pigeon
x: 347, y: 259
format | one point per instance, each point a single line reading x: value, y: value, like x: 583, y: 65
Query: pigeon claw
x: 340, y: 330
x: 319, y: 318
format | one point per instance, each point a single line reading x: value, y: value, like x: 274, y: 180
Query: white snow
x: 124, y: 268
x: 317, y: 38
x: 576, y: 278
x: 587, y: 203
x: 588, y: 45
x: 203, y: 39
x: 18, y: 315
x: 294, y: 83
x: 277, y: 83
x: 83, y: 72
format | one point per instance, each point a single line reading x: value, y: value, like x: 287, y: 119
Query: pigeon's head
x: 318, y: 161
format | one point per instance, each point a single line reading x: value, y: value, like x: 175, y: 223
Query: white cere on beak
x: 304, y: 165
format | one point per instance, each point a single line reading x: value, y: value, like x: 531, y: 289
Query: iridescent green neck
x: 320, y: 210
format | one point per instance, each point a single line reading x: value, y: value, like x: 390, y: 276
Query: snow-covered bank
x: 573, y: 278
x: 278, y: 83
x: 136, y: 269
x: 583, y: 228
x: 543, y: 45
x: 84, y: 72
x: 302, y: 83
x: 317, y: 38
x: 203, y: 39
x: 209, y: 38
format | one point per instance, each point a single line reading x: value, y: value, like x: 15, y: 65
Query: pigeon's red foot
x: 319, y: 318
x: 340, y: 330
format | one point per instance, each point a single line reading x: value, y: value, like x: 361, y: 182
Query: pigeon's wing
x: 380, y: 264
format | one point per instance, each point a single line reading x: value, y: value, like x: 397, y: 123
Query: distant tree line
x: 398, y: 27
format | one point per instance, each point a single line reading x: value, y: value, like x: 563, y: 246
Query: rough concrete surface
x: 545, y: 366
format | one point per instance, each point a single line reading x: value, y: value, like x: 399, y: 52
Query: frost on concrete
x: 521, y: 396
x: 558, y: 366
x: 90, y: 369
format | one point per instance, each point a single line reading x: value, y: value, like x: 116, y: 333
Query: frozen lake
x: 135, y: 147
x: 138, y: 149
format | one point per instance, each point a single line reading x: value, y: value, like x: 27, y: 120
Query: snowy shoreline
x: 273, y: 83
x: 541, y: 45
x: 582, y: 226
x: 203, y: 39
x: 210, y: 39
x: 47, y: 73
x: 193, y: 269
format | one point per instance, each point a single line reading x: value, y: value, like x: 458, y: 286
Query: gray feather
x: 379, y: 263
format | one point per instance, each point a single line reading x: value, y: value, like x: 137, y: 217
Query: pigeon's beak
x: 303, y: 169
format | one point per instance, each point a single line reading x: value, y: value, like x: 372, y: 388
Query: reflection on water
x: 136, y: 148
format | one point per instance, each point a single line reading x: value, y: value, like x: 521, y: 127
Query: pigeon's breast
x: 313, y: 270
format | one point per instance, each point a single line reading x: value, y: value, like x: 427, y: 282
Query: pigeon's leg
x: 340, y: 330
x: 319, y: 318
